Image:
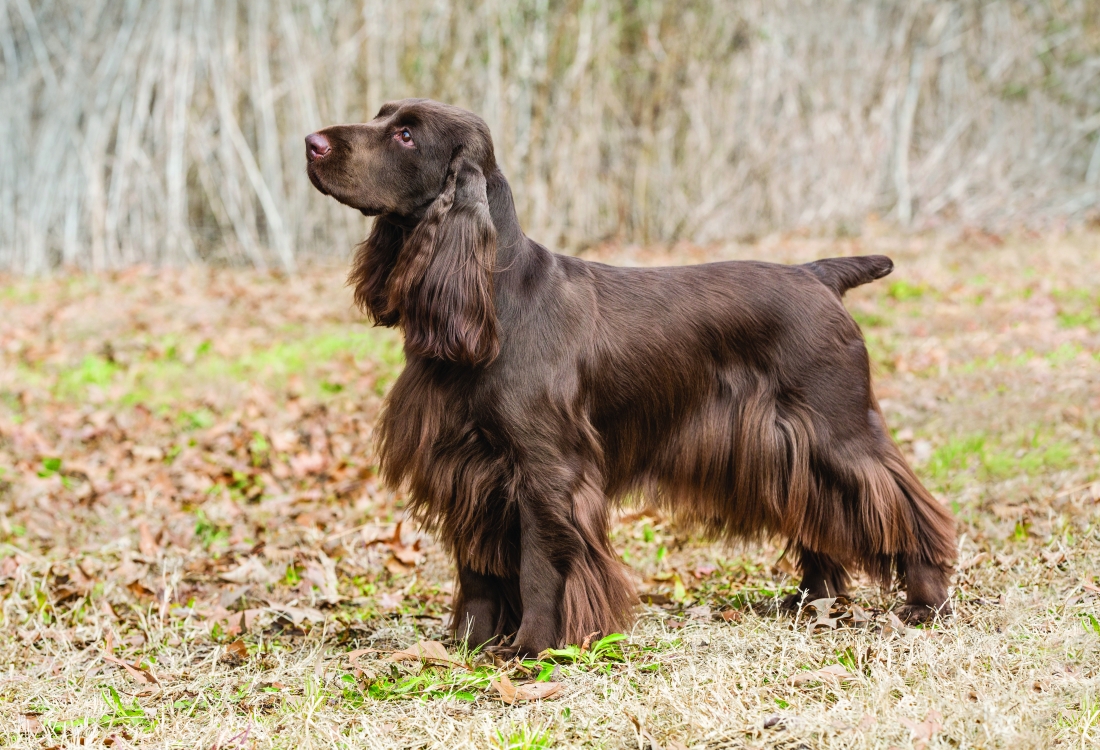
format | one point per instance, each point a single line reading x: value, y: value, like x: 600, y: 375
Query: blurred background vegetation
x: 171, y: 132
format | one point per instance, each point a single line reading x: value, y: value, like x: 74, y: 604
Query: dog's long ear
x: 371, y: 269
x: 442, y: 285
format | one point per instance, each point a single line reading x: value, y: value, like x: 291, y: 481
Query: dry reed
x: 170, y: 132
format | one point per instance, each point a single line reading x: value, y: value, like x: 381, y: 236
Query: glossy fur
x: 541, y: 389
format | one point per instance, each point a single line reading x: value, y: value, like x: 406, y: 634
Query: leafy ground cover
x: 195, y: 550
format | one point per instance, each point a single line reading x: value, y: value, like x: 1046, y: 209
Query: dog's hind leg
x: 924, y: 567
x: 822, y: 577
x: 925, y: 589
x: 925, y: 552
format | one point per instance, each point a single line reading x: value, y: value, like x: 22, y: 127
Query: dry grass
x: 181, y: 451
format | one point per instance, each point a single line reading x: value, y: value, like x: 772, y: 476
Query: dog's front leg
x: 480, y: 608
x: 540, y: 582
x: 572, y: 586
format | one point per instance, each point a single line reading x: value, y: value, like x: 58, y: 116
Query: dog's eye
x: 404, y: 136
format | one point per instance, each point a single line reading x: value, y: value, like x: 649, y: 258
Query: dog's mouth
x: 316, y: 180
x: 318, y: 183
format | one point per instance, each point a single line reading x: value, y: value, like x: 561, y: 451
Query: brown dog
x: 540, y: 389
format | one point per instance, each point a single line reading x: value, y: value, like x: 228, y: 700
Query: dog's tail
x: 841, y: 274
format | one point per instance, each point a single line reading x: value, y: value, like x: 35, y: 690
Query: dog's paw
x: 800, y: 600
x: 792, y: 603
x: 921, y: 614
x: 507, y: 652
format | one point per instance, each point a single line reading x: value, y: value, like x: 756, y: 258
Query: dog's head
x: 420, y: 167
x: 397, y: 163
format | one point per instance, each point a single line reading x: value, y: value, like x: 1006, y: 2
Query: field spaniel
x: 539, y: 390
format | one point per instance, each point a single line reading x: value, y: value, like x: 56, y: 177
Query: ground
x: 195, y: 550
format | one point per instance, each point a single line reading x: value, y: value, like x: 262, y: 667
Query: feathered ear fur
x: 372, y: 268
x: 441, y: 287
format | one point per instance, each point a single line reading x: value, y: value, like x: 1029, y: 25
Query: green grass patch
x: 1078, y: 308
x: 522, y: 737
x: 1059, y: 357
x: 161, y: 376
x: 93, y: 370
x: 902, y: 290
x: 430, y: 683
x: 119, y: 714
x: 869, y: 319
x: 991, y: 461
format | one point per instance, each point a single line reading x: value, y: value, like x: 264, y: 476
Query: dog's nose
x: 317, y: 146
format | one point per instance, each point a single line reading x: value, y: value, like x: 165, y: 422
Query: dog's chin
x: 352, y: 203
x: 317, y: 182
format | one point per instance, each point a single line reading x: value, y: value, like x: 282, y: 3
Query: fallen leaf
x: 372, y: 533
x: 353, y: 656
x: 858, y: 615
x: 8, y: 567
x: 533, y: 691
x: 823, y: 619
x: 298, y: 615
x: 702, y: 612
x: 784, y: 565
x: 397, y: 568
x: 305, y: 464
x: 836, y: 673
x: 235, y: 623
x: 731, y: 615
x: 147, y: 543
x: 142, y: 674
x: 530, y: 691
x: 389, y: 601
x: 322, y: 574
x: 408, y: 555
x: 679, y: 592
x: 895, y: 625
x: 974, y: 561
x: 923, y: 732
x: 250, y: 571
x: 421, y: 651
x: 238, y: 648
x: 505, y: 687
x: 232, y: 594
x: 137, y: 588
x: 31, y: 724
